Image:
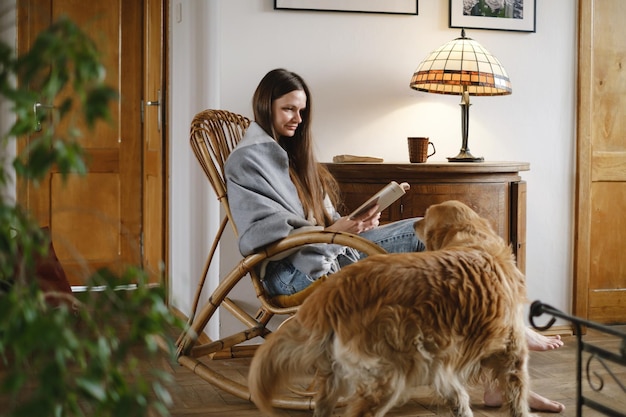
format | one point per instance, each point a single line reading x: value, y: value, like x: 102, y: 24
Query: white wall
x: 358, y: 67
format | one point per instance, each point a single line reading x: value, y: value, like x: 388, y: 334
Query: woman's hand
x: 363, y: 223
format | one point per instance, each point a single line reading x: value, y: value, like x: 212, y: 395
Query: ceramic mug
x: 418, y: 149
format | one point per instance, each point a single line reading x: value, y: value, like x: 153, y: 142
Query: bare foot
x: 535, y: 401
x: 537, y: 341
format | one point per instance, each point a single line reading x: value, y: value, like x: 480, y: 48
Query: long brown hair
x: 312, y: 179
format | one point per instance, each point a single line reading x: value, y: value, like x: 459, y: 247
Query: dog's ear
x: 436, y: 237
x: 432, y: 237
x: 431, y: 229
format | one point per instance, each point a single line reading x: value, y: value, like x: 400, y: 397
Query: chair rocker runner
x: 214, y: 134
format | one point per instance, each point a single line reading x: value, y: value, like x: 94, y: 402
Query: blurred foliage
x: 88, y: 357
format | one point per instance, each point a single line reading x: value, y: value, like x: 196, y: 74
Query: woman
x: 277, y: 188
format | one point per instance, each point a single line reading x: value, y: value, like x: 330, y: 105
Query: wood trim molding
x: 583, y: 161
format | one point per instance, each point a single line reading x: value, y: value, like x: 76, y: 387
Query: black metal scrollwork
x: 605, y: 358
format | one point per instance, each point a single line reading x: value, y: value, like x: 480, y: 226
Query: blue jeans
x: 281, y: 277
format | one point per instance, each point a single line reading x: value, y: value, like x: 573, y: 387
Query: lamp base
x: 466, y: 156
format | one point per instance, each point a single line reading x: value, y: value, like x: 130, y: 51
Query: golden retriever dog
x: 446, y: 317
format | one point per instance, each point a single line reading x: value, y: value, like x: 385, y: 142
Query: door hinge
x: 157, y: 103
x: 141, y: 248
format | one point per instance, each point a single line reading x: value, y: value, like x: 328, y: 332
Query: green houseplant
x: 77, y: 358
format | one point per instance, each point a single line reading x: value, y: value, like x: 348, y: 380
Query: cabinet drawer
x: 494, y: 190
x: 489, y: 200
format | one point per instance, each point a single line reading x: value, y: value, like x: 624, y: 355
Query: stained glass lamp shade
x: 463, y: 67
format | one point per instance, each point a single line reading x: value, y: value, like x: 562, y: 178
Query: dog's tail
x: 291, y: 349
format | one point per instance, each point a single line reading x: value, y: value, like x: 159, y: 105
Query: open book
x: 387, y: 195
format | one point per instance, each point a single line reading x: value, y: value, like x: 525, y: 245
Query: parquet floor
x: 553, y: 374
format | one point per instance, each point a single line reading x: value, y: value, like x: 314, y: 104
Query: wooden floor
x: 553, y: 375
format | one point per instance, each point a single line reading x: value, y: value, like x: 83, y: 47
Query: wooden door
x: 96, y: 220
x: 600, y: 264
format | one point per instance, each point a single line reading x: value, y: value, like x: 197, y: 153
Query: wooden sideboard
x: 494, y: 190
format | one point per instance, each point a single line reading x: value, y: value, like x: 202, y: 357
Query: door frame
x: 582, y: 246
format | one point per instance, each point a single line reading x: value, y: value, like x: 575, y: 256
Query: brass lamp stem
x: 464, y: 154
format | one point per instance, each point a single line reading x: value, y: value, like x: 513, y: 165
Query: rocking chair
x: 214, y: 134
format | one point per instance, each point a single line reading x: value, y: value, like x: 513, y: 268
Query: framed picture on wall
x: 363, y: 6
x: 513, y: 15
